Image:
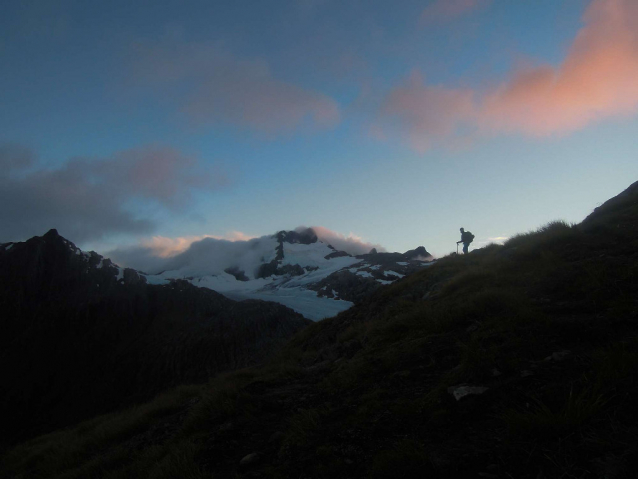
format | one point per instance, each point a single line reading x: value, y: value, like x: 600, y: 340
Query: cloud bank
x: 86, y: 199
x: 208, y: 254
x: 351, y: 244
x: 596, y: 81
x: 213, y: 87
x: 165, y: 247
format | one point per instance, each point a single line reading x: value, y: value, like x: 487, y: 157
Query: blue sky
x: 394, y: 122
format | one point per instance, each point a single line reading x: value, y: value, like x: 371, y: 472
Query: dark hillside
x: 515, y: 361
x: 76, y: 340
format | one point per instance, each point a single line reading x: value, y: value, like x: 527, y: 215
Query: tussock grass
x: 540, y: 420
x: 408, y: 458
x: 94, y: 445
x: 554, y: 233
x: 365, y: 394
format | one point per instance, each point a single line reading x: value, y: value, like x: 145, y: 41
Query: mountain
x: 517, y: 360
x: 294, y: 268
x: 80, y: 336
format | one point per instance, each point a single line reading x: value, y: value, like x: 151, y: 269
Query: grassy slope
x: 365, y: 394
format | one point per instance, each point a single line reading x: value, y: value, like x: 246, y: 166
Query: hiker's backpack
x: 468, y: 237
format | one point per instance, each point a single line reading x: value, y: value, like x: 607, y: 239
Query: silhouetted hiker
x: 466, y: 239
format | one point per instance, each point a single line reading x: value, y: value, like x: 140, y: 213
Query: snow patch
x: 394, y: 273
x: 301, y: 300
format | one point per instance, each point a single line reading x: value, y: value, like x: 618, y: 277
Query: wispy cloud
x: 596, y: 80
x: 427, y: 114
x: 212, y: 86
x: 445, y: 10
x: 165, y: 247
x: 86, y: 199
x: 212, y: 254
x: 350, y: 243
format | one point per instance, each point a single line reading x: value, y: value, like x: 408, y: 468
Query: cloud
x: 165, y: 247
x: 427, y: 114
x: 212, y: 254
x: 445, y: 10
x: 596, y: 80
x: 208, y: 255
x: 351, y: 244
x: 213, y: 87
x: 86, y: 199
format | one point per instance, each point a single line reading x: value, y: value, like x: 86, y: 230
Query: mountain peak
x: 419, y: 252
x: 300, y: 235
x: 52, y: 233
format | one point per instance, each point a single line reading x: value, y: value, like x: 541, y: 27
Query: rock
x: 237, y: 273
x: 250, y: 460
x: 526, y: 373
x: 496, y: 373
x: 301, y: 235
x: 267, y: 269
x: 462, y: 390
x: 419, y: 252
x: 558, y: 356
x: 336, y: 254
x: 291, y: 269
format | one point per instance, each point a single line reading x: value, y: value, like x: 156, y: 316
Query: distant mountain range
x: 294, y: 268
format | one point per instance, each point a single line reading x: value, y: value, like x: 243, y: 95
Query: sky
x: 153, y: 124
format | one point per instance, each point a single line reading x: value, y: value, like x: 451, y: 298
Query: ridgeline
x: 515, y: 361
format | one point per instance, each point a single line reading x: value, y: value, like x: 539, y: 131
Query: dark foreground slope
x: 515, y: 361
x: 78, y: 339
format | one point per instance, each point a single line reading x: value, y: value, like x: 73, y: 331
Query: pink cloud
x: 596, y: 80
x: 351, y: 243
x: 443, y: 10
x: 428, y: 114
x: 156, y: 172
x: 165, y: 247
x: 213, y: 87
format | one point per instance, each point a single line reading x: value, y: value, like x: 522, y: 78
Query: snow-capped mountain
x: 294, y: 268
